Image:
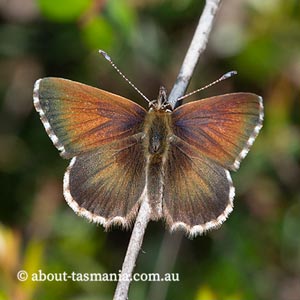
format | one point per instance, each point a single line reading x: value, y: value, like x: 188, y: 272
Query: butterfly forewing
x: 80, y: 118
x: 223, y: 128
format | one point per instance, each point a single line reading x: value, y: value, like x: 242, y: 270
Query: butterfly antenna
x: 107, y: 57
x: 225, y: 76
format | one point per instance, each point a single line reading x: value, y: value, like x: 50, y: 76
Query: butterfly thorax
x: 157, y: 130
x: 157, y: 127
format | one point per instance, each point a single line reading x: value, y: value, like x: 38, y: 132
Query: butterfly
x: 121, y: 154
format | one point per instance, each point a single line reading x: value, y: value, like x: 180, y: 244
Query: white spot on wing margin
x: 252, y: 137
x: 201, y: 228
x: 38, y: 107
x: 118, y: 220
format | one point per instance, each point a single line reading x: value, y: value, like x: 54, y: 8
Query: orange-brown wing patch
x: 223, y: 128
x: 80, y: 118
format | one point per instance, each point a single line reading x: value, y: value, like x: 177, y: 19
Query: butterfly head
x: 161, y: 103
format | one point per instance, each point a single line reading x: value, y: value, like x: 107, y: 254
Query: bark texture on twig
x: 196, y: 47
x: 133, y: 250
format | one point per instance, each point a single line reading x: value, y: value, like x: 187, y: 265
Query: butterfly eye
x: 167, y: 107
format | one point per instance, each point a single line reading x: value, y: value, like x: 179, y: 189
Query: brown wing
x: 198, y: 192
x: 105, y: 185
x: 79, y: 118
x: 222, y: 128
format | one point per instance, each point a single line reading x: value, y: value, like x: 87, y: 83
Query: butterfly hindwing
x: 223, y: 128
x: 78, y: 118
x: 106, y: 185
x: 198, y: 192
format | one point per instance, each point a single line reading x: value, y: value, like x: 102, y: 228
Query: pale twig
x: 133, y: 250
x: 197, y: 46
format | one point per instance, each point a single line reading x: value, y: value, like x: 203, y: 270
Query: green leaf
x: 122, y: 15
x: 63, y: 10
x: 98, y: 34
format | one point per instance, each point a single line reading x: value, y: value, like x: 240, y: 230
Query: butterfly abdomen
x: 157, y: 130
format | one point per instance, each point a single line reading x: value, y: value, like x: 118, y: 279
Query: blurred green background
x: 256, y: 253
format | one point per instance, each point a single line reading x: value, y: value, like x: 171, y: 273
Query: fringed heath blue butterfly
x: 177, y: 160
